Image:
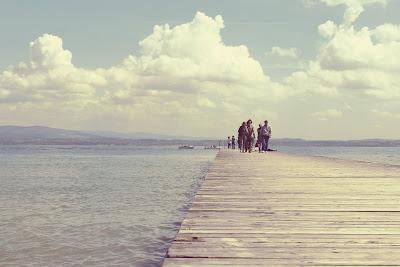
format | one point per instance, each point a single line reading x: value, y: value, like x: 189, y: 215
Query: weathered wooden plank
x: 286, y: 210
x: 281, y: 230
x: 302, y: 240
x: 388, y: 253
x: 214, y: 262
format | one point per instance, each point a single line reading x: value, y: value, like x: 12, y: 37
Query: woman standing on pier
x: 250, y: 136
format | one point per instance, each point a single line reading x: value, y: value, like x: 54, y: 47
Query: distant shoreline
x: 168, y: 142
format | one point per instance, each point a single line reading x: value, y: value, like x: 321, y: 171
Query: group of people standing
x: 232, y: 142
x: 247, y: 137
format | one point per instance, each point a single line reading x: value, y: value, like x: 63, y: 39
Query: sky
x: 315, y: 69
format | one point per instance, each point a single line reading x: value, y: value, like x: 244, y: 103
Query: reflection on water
x: 94, y: 206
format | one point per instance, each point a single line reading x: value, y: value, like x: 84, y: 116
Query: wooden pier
x: 284, y: 210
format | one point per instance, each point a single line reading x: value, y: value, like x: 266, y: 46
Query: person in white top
x: 265, y: 135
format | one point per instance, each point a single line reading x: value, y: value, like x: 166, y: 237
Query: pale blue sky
x: 101, y: 33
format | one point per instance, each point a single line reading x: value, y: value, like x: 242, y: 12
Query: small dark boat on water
x: 186, y: 147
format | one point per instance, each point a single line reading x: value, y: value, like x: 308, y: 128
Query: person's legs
x: 266, y: 143
x: 264, y: 139
x: 250, y: 145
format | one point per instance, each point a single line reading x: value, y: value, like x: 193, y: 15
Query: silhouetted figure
x: 233, y: 142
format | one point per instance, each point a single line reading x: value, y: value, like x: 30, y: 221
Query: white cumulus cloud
x: 195, y: 50
x: 358, y: 61
x: 49, y: 75
x: 354, y: 8
x: 47, y: 53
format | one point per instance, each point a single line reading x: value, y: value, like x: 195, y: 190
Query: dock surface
x: 284, y: 210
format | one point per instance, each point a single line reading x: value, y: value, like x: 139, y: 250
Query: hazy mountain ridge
x: 41, y: 135
x: 142, y: 135
x: 33, y: 132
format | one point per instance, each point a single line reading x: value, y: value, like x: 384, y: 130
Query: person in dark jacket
x: 259, y: 139
x: 242, y: 134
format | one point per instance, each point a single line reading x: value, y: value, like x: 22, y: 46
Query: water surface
x: 94, y: 205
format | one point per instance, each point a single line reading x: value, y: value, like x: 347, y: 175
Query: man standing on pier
x: 265, y: 135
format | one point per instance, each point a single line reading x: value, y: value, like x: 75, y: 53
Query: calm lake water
x: 94, y: 206
x: 108, y: 205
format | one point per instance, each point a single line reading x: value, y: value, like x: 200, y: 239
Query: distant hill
x: 142, y: 135
x: 10, y: 135
x: 31, y: 135
x: 39, y: 132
